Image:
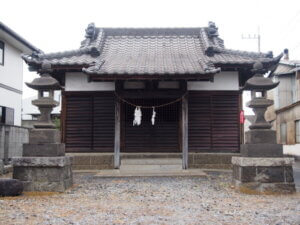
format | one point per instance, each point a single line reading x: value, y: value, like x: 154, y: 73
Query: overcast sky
x: 59, y: 25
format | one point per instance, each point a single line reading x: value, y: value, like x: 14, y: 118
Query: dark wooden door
x: 163, y: 136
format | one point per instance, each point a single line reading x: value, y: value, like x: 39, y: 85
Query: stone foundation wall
x: 12, y: 139
x: 99, y: 161
x: 92, y: 161
x: 211, y: 160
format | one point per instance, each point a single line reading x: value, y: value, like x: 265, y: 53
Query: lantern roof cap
x: 258, y: 82
x: 45, y: 81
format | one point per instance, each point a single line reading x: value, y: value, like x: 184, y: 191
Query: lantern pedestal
x: 261, y: 166
x: 44, y: 166
x: 44, y: 143
x: 261, y: 143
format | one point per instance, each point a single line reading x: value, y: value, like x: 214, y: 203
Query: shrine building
x: 159, y: 91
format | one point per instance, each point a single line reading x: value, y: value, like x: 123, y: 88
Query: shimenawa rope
x: 153, y: 106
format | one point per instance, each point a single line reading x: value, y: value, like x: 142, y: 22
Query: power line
x: 255, y: 37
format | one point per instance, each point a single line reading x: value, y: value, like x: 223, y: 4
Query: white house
x: 11, y: 74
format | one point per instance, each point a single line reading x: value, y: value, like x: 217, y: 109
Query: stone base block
x: 264, y: 174
x: 43, y: 150
x: 43, y: 136
x: 262, y: 150
x: 50, y: 174
x: 260, y: 136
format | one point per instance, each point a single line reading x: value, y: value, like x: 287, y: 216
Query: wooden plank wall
x: 89, y: 124
x: 213, y: 124
x: 213, y: 121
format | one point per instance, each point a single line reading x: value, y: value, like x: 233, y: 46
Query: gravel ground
x: 152, y: 200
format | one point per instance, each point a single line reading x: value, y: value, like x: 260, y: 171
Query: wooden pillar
x: 63, y: 117
x: 117, y: 134
x: 184, y: 136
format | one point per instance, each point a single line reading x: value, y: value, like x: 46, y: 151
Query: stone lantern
x: 45, y: 85
x: 44, y: 166
x: 262, y: 166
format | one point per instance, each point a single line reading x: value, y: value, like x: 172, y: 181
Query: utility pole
x: 254, y: 36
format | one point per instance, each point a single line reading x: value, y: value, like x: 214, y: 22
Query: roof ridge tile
x: 151, y: 51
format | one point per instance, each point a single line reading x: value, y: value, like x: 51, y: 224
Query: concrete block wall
x: 1, y: 167
x: 2, y: 137
x: 211, y: 160
x: 16, y: 137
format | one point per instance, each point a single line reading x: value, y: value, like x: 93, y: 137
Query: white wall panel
x: 79, y: 82
x: 224, y: 81
x: 11, y: 74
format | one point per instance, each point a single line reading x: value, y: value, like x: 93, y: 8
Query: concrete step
x: 179, y: 173
x: 150, y: 155
x: 151, y: 168
x: 156, y: 161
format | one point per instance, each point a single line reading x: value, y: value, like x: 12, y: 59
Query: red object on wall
x: 242, y: 117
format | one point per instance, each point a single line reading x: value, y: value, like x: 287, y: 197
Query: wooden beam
x: 117, y: 134
x: 165, y: 77
x: 185, y: 151
x: 154, y: 94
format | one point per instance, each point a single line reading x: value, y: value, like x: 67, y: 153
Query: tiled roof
x: 151, y: 51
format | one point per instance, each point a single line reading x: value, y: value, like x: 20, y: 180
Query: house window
x: 6, y: 115
x: 297, y: 123
x: 283, y: 133
x: 1, y: 53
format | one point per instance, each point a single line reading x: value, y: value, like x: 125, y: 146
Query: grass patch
x: 39, y: 194
x: 249, y: 191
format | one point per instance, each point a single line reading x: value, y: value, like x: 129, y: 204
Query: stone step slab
x: 162, y: 168
x: 158, y: 161
x: 177, y: 173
